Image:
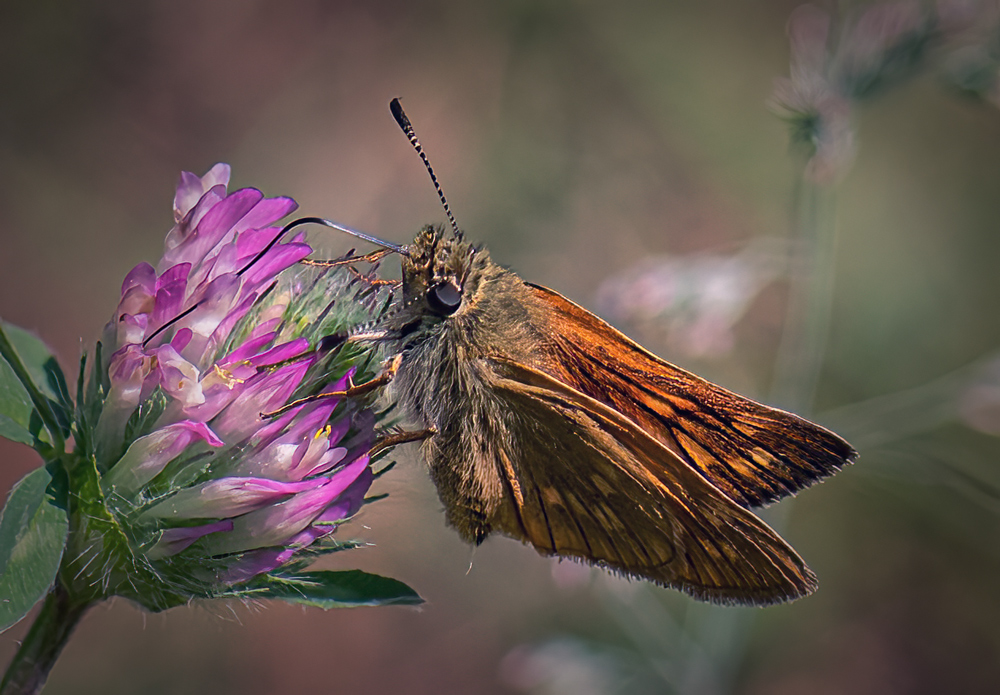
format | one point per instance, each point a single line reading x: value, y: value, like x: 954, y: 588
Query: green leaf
x: 32, y: 537
x: 41, y: 364
x: 19, y: 420
x: 343, y: 589
x: 10, y: 427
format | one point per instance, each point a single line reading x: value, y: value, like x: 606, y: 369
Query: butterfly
x: 544, y: 423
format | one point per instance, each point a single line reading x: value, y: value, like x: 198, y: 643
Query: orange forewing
x: 611, y: 494
x: 753, y: 453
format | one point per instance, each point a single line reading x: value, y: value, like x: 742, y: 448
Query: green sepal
x: 99, y: 561
x: 98, y: 385
x: 82, y: 434
x: 32, y: 538
x: 319, y: 548
x: 141, y: 422
x: 330, y: 589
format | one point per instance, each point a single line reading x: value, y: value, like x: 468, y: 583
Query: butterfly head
x: 441, y: 274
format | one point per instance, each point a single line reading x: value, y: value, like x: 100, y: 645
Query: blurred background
x: 631, y: 156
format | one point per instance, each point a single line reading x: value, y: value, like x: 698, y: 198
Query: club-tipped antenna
x: 397, y: 112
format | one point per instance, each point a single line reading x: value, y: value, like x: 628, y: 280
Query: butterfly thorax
x: 458, y: 310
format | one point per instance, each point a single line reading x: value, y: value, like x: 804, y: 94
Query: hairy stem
x: 37, y: 655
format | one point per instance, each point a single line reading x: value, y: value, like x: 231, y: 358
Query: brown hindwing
x: 612, y: 495
x: 753, y: 453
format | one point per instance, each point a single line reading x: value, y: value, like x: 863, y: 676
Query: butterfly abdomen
x: 441, y: 384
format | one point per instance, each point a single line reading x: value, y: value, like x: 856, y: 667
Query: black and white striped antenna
x: 397, y: 112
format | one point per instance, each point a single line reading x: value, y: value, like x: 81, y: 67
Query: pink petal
x: 264, y: 393
x: 148, y: 455
x: 279, y: 258
x: 171, y: 288
x: 255, y: 562
x: 266, y: 212
x: 218, y: 223
x: 280, y: 353
x: 174, y: 540
x: 249, y: 565
x: 191, y: 188
x: 226, y: 326
x: 127, y: 371
x: 180, y: 239
x: 181, y: 339
x: 227, y: 497
x: 131, y: 329
x: 252, y: 346
x: 179, y: 378
x: 143, y: 275
x: 275, y: 524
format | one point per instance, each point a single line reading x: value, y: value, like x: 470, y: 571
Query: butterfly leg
x: 350, y: 260
x: 381, y: 380
x: 401, y: 437
x: 373, y: 281
x: 352, y: 391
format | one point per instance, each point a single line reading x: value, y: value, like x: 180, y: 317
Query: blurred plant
x: 979, y: 400
x: 974, y: 65
x: 163, y: 482
x: 838, y: 63
x: 833, y: 68
x: 841, y: 62
x: 563, y: 666
x: 694, y: 300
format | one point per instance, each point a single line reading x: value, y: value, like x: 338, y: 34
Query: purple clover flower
x: 223, y: 330
x: 164, y: 479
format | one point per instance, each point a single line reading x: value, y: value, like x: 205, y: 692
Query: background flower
x: 692, y: 302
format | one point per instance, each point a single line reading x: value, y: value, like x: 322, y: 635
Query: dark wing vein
x: 610, y: 494
x: 753, y: 453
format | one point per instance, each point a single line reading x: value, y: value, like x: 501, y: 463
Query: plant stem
x: 797, y: 372
x: 37, y: 655
x: 807, y: 321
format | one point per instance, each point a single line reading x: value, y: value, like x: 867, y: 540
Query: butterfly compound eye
x: 445, y: 297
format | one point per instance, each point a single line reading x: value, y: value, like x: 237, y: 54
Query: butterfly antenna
x: 397, y: 112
